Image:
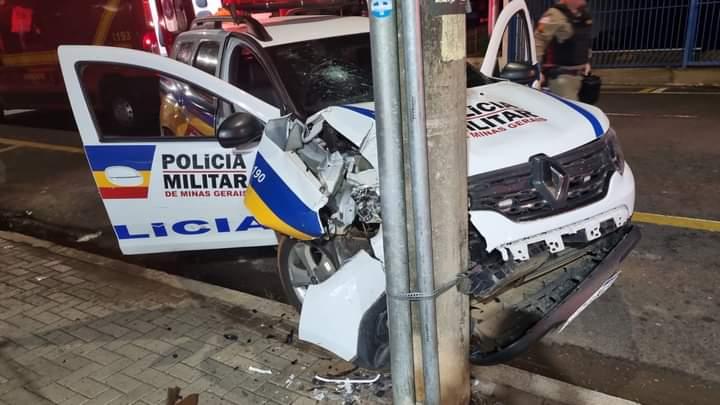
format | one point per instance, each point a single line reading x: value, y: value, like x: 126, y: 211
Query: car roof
x: 301, y: 29
x: 291, y: 29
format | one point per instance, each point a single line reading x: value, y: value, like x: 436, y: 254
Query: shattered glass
x: 326, y: 72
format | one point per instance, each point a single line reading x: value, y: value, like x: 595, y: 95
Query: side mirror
x: 519, y: 72
x: 239, y: 129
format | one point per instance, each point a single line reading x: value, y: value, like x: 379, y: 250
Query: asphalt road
x: 655, y: 337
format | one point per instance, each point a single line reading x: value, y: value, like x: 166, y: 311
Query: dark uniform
x: 563, y: 42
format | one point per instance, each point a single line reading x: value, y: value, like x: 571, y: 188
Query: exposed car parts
x: 519, y: 250
x: 502, y: 334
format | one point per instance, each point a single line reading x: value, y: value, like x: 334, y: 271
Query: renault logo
x: 549, y: 179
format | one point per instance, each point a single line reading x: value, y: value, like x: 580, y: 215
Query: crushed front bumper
x: 604, y: 270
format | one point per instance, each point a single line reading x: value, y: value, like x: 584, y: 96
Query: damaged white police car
x: 550, y: 194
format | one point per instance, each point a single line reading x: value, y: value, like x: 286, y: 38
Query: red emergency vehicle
x: 31, y: 31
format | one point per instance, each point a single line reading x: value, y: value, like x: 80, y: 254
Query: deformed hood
x: 507, y: 123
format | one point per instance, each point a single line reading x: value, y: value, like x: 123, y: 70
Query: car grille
x: 510, y: 191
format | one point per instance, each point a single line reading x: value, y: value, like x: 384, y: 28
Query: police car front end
x: 546, y: 239
x: 550, y: 199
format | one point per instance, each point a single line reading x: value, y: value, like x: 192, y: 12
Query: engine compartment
x: 347, y: 178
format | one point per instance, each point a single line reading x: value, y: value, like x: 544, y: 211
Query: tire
x: 291, y: 267
x: 123, y: 111
x: 128, y: 105
x: 373, y: 347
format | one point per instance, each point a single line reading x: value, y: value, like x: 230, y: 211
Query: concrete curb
x: 493, y: 381
x: 660, y: 76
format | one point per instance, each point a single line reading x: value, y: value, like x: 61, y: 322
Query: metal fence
x: 640, y: 33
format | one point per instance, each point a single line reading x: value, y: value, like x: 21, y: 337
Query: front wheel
x: 301, y: 264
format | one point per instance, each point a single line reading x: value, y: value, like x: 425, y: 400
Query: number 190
x: 258, y: 175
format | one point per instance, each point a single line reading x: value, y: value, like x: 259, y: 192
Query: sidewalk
x: 72, y: 332
x: 77, y: 328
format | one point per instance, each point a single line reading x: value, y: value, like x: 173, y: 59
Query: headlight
x: 616, y: 153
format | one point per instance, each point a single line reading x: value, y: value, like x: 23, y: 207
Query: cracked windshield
x: 326, y: 72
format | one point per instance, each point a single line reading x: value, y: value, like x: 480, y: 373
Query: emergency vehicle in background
x: 32, y: 30
x: 206, y: 8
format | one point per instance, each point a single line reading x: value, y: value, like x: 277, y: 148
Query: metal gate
x: 644, y: 33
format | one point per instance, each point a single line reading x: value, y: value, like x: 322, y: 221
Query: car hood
x: 507, y: 123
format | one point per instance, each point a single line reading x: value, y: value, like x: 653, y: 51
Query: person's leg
x: 567, y: 86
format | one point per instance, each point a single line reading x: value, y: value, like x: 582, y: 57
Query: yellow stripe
x: 265, y: 216
x: 39, y: 145
x: 677, y: 222
x: 102, y: 181
x: 30, y: 58
x: 106, y: 20
x: 647, y: 90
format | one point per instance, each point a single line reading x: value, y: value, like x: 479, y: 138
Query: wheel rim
x: 123, y: 112
x: 307, y: 265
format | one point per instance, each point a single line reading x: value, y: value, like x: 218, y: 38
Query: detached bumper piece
x: 566, y: 289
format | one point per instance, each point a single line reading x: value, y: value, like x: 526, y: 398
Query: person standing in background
x: 563, y: 41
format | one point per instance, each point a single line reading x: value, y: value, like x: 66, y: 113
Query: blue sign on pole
x: 381, y: 8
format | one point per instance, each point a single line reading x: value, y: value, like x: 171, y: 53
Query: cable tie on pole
x: 421, y: 296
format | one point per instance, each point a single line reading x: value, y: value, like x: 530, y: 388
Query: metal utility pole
x: 384, y: 43
x: 435, y: 97
x: 433, y: 45
x: 417, y: 142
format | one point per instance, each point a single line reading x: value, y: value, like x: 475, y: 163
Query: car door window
x: 511, y: 42
x: 132, y: 103
x: 183, y: 52
x: 207, y: 57
x: 516, y: 47
x: 247, y: 73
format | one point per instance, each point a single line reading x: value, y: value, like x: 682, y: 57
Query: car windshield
x: 326, y: 72
x: 334, y: 71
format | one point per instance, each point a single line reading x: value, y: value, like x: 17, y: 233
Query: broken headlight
x: 616, y: 153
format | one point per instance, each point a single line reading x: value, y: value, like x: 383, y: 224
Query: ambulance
x: 31, y: 31
x: 293, y: 160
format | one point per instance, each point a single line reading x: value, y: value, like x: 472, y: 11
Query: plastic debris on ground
x: 349, y: 389
x: 89, y: 237
x: 259, y: 370
x: 289, y: 381
x: 318, y: 394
